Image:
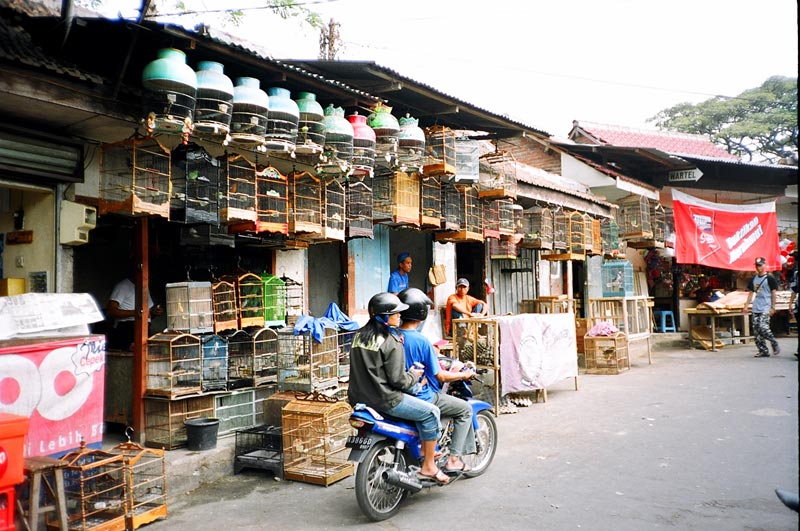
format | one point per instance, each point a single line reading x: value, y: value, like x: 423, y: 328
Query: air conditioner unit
x: 76, y: 222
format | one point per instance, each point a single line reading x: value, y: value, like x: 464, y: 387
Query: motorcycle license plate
x: 358, y: 442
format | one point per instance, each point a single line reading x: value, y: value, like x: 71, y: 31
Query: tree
x: 760, y: 124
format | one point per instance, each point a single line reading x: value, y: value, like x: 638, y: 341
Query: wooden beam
x: 141, y: 257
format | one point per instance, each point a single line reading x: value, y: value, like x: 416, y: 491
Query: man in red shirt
x: 461, y: 304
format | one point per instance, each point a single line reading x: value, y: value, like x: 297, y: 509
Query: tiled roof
x: 667, y: 141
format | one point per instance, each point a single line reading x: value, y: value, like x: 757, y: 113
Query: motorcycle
x: 388, y: 451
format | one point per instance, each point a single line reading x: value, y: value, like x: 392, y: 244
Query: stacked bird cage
x: 451, y: 207
x: 537, y: 228
x: 305, y: 204
x: 252, y: 358
x: 315, y: 429
x: 311, y: 129
x: 506, y: 210
x: 491, y: 219
x: 173, y: 365
x: 359, y: 207
x: 164, y: 419
x: 576, y: 236
x: 272, y: 207
x: 503, y: 249
x: 274, y: 300
x: 195, y: 185
x: 223, y: 298
x: 190, y: 307
x: 214, y: 351
x: 345, y: 343
x: 249, y: 299
x: 237, y: 190
x: 387, y: 134
x: 430, y: 202
x: 333, y: 204
x: 470, y: 217
x: 295, y: 300
x: 235, y: 410
x: 560, y: 230
x: 304, y: 364
x: 467, y: 161
x: 609, y: 234
x: 634, y: 218
x: 135, y: 178
x: 282, y: 120
x: 498, y: 176
x: 395, y: 198
x: 146, y: 476
x: 440, y: 152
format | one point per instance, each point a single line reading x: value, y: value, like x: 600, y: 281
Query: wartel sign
x: 725, y: 236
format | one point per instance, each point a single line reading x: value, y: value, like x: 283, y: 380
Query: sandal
x: 460, y: 470
x: 439, y: 477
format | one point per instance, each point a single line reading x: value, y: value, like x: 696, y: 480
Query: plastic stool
x: 45, y: 478
x: 667, y: 321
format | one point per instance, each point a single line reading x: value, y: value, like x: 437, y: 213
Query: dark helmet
x: 417, y: 302
x: 385, y: 303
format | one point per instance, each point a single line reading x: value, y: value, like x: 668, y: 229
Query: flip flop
x: 439, y: 477
x: 462, y: 469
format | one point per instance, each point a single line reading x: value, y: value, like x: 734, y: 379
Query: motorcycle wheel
x: 486, y: 440
x: 376, y: 498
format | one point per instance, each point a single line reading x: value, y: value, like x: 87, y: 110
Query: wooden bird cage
x: 135, y: 178
x: 226, y: 314
x: 305, y: 204
x: 237, y: 190
x: 195, y: 185
x: 658, y: 221
x: 173, y: 364
x: 470, y: 217
x: 609, y: 235
x: 498, y: 176
x: 249, y: 299
x: 252, y: 358
x: 440, y: 152
x: 359, y: 207
x: 315, y: 430
x: 164, y: 419
x: 451, y: 207
x: 146, y: 476
x: 491, y: 219
x: 334, y: 216
x: 272, y: 204
x: 503, y: 249
x: 430, y: 202
x: 596, y: 244
x: 214, y: 352
x: 395, y: 198
x: 588, y: 234
x: 634, y: 218
x: 274, y: 300
x: 190, y: 307
x: 295, y: 300
x: 576, y: 233
x: 560, y: 230
x: 669, y: 230
x: 537, y: 226
x: 506, y: 210
x: 95, y: 491
x: 305, y: 364
x: 467, y: 161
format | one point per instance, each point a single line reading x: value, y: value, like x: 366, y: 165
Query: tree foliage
x: 760, y: 124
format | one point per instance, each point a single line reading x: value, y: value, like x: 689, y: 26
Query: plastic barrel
x: 201, y: 433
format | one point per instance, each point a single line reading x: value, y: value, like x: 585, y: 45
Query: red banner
x: 725, y: 236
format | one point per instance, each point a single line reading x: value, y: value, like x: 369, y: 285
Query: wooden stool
x: 44, y: 472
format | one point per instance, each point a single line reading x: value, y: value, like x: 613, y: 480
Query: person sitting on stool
x: 461, y: 304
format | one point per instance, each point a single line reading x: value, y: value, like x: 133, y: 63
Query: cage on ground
x: 305, y: 364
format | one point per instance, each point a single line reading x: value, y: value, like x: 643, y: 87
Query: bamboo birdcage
x: 470, y: 217
x: 252, y: 358
x: 451, y: 207
x: 359, y: 207
x: 491, y: 219
x: 272, y: 203
x: 503, y: 249
x: 135, y: 178
x: 305, y: 364
x: 164, y: 419
x: 609, y: 235
x: 658, y: 222
x: 576, y: 233
x: 195, y: 185
x: 190, y: 307
x: 560, y: 230
x: 430, y: 203
x: 467, y: 161
x: 295, y: 300
x: 537, y: 228
x: 508, y: 223
x: 334, y: 218
x: 173, y: 363
x: 305, y: 204
x: 595, y: 245
x: 440, y: 152
x: 274, y: 300
x: 214, y: 352
x: 669, y: 227
x: 226, y: 314
x: 249, y: 299
x: 498, y: 176
x: 395, y: 198
x: 146, y: 477
x: 237, y: 190
x: 634, y: 218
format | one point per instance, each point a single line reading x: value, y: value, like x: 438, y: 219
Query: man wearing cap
x: 461, y: 304
x: 398, y: 280
x: 703, y: 292
x: 762, y: 289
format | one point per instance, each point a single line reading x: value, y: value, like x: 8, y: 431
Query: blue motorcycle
x: 388, y: 453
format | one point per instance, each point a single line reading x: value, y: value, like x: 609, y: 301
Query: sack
x: 437, y: 275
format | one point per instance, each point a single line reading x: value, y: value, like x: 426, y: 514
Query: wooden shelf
x: 631, y: 315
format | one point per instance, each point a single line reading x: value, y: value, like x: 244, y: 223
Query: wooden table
x: 693, y: 313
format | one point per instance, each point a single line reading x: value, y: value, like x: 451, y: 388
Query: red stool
x: 7, y: 509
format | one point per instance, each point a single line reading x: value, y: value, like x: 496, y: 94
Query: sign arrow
x: 684, y: 175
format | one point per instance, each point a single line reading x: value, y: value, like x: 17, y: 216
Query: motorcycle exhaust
x: 404, y: 480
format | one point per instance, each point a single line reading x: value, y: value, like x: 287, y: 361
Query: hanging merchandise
x: 250, y: 110
x: 467, y: 160
x: 387, y: 133
x: 214, y: 107
x: 440, y: 152
x: 170, y: 88
x: 311, y: 128
x: 363, y: 145
x: 337, y: 153
x: 410, y: 145
x: 195, y: 185
x: 283, y: 118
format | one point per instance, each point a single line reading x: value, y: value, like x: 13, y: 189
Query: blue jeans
x: 455, y: 314
x: 425, y: 414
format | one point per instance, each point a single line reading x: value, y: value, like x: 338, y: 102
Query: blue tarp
x: 333, y: 318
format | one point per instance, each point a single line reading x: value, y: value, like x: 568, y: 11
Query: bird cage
x: 250, y: 113
x: 337, y: 152
x: 560, y: 230
x: 576, y: 234
x: 195, y: 185
x: 588, y: 234
x: 95, y: 491
x: 274, y: 300
x: 311, y: 128
x: 173, y: 364
x: 271, y: 204
x: 249, y: 299
x: 214, y: 351
x: 410, y: 145
x: 146, y: 477
x: 658, y: 222
x: 634, y: 218
x: 252, y: 358
x: 537, y: 225
x: 305, y: 204
x: 503, y: 249
x: 498, y: 176
x: 333, y: 204
x: 508, y: 222
x: 283, y: 118
x: 617, y: 279
x: 451, y: 207
x: 430, y: 202
x: 669, y: 227
x: 467, y: 160
x: 387, y: 135
x: 223, y: 298
x: 345, y: 342
x: 596, y: 245
x: 206, y: 236
x: 170, y: 92
x: 359, y: 207
x: 315, y: 430
x: 470, y: 217
x: 363, y: 145
x: 295, y: 300
x: 135, y: 178
x: 395, y: 198
x: 609, y: 235
x: 190, y: 307
x: 214, y: 107
x: 491, y: 219
x: 164, y: 419
x: 304, y: 364
x: 440, y: 152
x: 237, y: 190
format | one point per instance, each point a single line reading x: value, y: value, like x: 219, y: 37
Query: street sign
x: 684, y: 175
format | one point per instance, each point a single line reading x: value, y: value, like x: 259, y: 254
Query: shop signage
x: 692, y: 175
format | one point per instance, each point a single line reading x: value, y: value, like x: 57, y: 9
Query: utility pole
x: 329, y: 41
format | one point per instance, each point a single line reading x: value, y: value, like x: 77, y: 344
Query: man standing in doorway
x: 398, y: 280
x: 762, y: 288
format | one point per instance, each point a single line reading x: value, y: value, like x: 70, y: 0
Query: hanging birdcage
x: 250, y: 113
x: 470, y: 217
x: 588, y: 234
x: 295, y: 300
x: 634, y: 218
x: 609, y: 234
x: 170, y: 89
x: 214, y: 108
x: 304, y: 364
x: 508, y: 222
x: 359, y: 207
x: 173, y: 365
x: 226, y: 314
x: 195, y: 185
x: 395, y: 198
x: 387, y: 134
x: 311, y: 128
x: 135, y: 178
x: 560, y: 230
x: 214, y: 351
x: 345, y: 344
x: 491, y: 219
x: 249, y: 299
x: 190, y: 307
x: 337, y: 152
x: 503, y: 249
x: 537, y: 224
x: 658, y: 222
x: 206, y: 236
x: 451, y: 207
x: 237, y: 190
x: 252, y: 358
x: 274, y: 300
x: 576, y: 236
x: 430, y: 202
x: 282, y: 121
x: 272, y: 202
x: 363, y: 145
x: 467, y: 161
x: 146, y: 477
x: 333, y: 205
x: 305, y: 204
x: 410, y: 145
x: 669, y: 230
x: 498, y: 176
x: 440, y: 152
x: 595, y: 245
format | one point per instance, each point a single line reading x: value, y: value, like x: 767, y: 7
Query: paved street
x: 696, y: 441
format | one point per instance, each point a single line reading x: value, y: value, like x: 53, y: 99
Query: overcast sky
x: 546, y: 63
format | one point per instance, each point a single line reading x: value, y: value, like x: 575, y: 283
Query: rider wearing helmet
x: 379, y: 379
x: 419, y: 349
